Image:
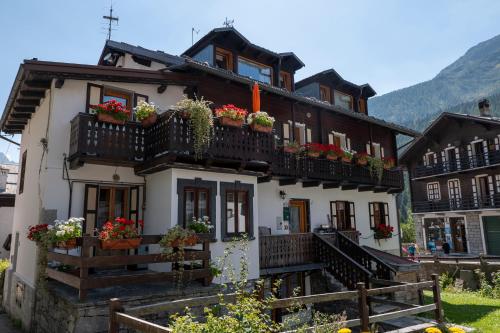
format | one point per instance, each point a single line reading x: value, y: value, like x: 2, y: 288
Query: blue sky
x: 389, y: 44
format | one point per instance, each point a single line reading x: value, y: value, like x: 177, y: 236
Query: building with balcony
x: 454, y: 173
x: 300, y: 213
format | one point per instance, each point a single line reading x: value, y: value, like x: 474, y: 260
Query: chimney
x: 484, y: 108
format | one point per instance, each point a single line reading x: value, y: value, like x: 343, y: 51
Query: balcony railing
x: 464, y: 163
x: 457, y: 204
x: 170, y: 140
x: 287, y: 250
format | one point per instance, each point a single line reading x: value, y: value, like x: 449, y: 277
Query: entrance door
x: 491, y: 226
x: 298, y: 216
x: 458, y: 236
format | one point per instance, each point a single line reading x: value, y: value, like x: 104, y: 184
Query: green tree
x: 408, y: 229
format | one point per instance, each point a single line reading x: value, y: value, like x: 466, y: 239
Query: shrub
x: 446, y: 281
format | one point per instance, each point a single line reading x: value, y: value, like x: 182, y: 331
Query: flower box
x: 121, y: 244
x: 189, y: 241
x: 259, y: 128
x: 107, y: 118
x: 313, y: 154
x: 67, y: 245
x: 346, y: 159
x: 332, y: 157
x: 291, y: 150
x: 226, y: 121
x: 362, y: 162
x: 150, y: 120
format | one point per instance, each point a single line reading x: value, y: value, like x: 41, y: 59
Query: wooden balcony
x: 483, y: 160
x: 458, y: 204
x: 170, y: 142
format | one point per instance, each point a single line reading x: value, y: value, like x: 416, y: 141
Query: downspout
x: 70, y: 184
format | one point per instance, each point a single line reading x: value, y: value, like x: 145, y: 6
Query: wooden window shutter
x: 23, y: 171
x: 372, y: 218
x: 497, y: 143
x: 426, y: 161
x: 334, y: 212
x: 348, y: 144
x: 497, y: 180
x: 308, y: 135
x: 490, y: 186
x: 369, y: 148
x: 134, y: 204
x: 485, y: 151
x: 90, y: 208
x: 286, y: 132
x: 469, y: 152
x: 352, y: 215
x: 474, y: 191
x: 94, y: 95
x: 386, y: 213
x: 457, y: 156
x: 382, y: 153
x: 330, y: 139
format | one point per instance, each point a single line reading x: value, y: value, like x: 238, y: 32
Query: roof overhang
x: 34, y: 78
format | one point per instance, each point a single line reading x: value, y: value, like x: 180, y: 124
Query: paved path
x: 6, y: 325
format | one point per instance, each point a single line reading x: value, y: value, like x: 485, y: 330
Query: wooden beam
x: 365, y: 188
x: 331, y: 185
x: 346, y: 187
x: 380, y: 189
x: 311, y: 183
x: 25, y: 109
x: 33, y: 93
x: 28, y: 101
x: 38, y: 83
x: 394, y: 190
x: 288, y: 181
x: 264, y: 179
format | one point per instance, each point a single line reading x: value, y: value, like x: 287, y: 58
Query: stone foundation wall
x: 18, y: 299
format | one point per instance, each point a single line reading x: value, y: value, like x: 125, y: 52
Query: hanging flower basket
x: 226, y: 121
x: 150, y: 120
x: 67, y: 245
x: 260, y: 128
x: 121, y: 244
x: 188, y: 241
x: 107, y: 118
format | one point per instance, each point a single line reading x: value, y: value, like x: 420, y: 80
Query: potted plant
x: 291, y: 147
x: 362, y: 158
x: 37, y: 233
x: 201, y: 225
x: 230, y: 115
x: 178, y: 237
x: 66, y: 232
x: 376, y: 167
x: 347, y: 156
x: 146, y: 113
x: 383, y: 231
x: 121, y: 234
x: 200, y: 120
x: 260, y: 122
x: 313, y: 150
x: 111, y: 112
x: 389, y: 163
x: 333, y: 152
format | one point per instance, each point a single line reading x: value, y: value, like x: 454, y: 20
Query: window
x: 339, y: 139
x: 379, y: 214
x: 120, y: 96
x: 23, y: 172
x: 285, y: 81
x: 433, y: 192
x: 196, y: 198
x: 223, y: 59
x: 205, y: 55
x: 255, y: 70
x: 237, y: 209
x: 196, y: 204
x: 324, y: 94
x: 497, y: 181
x: 342, y: 213
x: 430, y: 159
x: 343, y: 100
x: 375, y: 149
x: 362, y: 106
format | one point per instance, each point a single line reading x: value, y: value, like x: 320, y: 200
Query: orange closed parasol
x: 255, y: 98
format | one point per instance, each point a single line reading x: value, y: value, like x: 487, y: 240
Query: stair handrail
x: 383, y: 263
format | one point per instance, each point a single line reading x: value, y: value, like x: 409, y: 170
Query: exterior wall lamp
x: 282, y: 195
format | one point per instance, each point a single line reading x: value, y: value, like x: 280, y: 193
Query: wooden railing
x: 344, y: 268
x: 377, y: 267
x: 130, y: 317
x: 464, y: 203
x: 89, y: 257
x: 484, y: 159
x: 97, y: 141
x: 286, y: 250
x: 351, y: 234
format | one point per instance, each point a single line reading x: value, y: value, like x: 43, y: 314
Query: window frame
x: 257, y: 64
x: 351, y: 103
x: 351, y: 217
x: 197, y: 191
x: 435, y: 191
x: 371, y: 213
x: 287, y: 79
x: 328, y: 93
x: 225, y: 188
x: 229, y: 58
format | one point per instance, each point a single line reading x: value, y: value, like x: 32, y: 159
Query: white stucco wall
x: 126, y: 61
x: 271, y: 209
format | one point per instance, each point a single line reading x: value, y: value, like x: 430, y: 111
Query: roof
x: 231, y: 32
x: 437, y: 125
x: 158, y: 56
x: 332, y: 76
x: 35, y: 77
x: 193, y: 64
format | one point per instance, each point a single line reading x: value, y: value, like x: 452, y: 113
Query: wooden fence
x: 130, y: 317
x: 91, y: 256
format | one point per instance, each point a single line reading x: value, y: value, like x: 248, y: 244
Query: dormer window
x: 254, y: 70
x: 343, y: 100
x: 223, y: 59
x: 285, y: 81
x: 324, y: 94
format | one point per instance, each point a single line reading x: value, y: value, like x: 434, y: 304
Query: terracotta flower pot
x: 190, y: 241
x: 332, y: 157
x: 108, y: 118
x: 291, y: 150
x: 121, y: 244
x: 313, y: 154
x: 362, y: 162
x: 67, y: 245
x: 149, y: 121
x: 226, y: 121
x: 346, y: 159
x: 259, y: 128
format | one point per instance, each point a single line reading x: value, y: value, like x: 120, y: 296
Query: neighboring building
x: 454, y: 173
x: 8, y: 180
x: 72, y: 165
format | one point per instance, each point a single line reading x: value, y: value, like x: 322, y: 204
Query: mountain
x: 474, y: 75
x: 4, y: 159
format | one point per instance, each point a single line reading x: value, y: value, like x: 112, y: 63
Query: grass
x: 470, y: 309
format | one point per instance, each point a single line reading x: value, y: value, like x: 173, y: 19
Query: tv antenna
x: 111, y: 19
x: 193, y: 31
x: 228, y: 23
